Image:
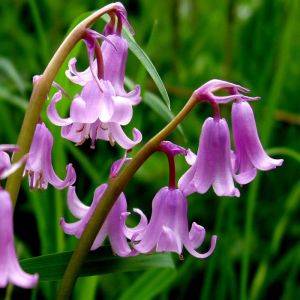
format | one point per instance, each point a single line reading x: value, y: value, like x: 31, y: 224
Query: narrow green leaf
x: 51, y: 267
x: 11, y: 72
x: 285, y: 151
x: 158, y: 106
x: 7, y: 96
x: 145, y: 60
x: 149, y: 285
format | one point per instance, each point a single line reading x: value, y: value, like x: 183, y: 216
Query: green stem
x: 112, y: 192
x: 39, y: 95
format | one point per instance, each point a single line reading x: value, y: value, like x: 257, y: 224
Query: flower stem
x: 100, y: 63
x: 39, y: 95
x: 172, y: 172
x: 115, y: 187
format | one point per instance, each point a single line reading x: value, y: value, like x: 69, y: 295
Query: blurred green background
x: 252, y: 43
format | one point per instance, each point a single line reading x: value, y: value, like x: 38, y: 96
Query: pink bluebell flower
x: 78, y: 132
x: 212, y: 166
x: 39, y: 163
x: 114, y: 226
x: 103, y: 104
x: 10, y: 270
x: 168, y: 229
x: 249, y: 155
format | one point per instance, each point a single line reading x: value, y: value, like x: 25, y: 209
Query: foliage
x: 253, y: 43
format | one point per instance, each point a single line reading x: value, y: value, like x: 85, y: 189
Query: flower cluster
x: 103, y: 106
x: 99, y: 112
x: 167, y: 230
x: 216, y: 164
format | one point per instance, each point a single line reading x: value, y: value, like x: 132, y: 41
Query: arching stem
x: 114, y: 189
x: 40, y: 91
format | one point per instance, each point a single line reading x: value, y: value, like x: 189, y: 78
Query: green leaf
x: 146, y: 62
x: 10, y: 71
x: 149, y: 285
x: 160, y: 108
x: 7, y: 96
x: 285, y: 151
x: 51, y: 267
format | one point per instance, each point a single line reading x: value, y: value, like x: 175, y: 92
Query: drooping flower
x: 103, y: 102
x: 114, y: 226
x: 212, y: 166
x: 168, y: 229
x: 10, y: 270
x: 78, y: 132
x: 250, y: 154
x: 39, y: 163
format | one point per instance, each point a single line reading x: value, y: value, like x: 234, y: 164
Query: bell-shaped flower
x: 103, y: 100
x: 114, y: 51
x: 10, y: 270
x: 168, y: 229
x: 78, y: 132
x: 249, y: 155
x: 212, y: 166
x: 114, y: 226
x: 39, y: 163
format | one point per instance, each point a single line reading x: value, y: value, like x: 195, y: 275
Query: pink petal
x: 247, y: 143
x: 189, y: 247
x: 11, y: 271
x: 201, y: 174
x: 119, y: 136
x: 190, y: 157
x: 129, y: 232
x: 53, y: 114
x: 77, y: 208
x: 122, y: 111
x: 196, y: 235
x: 115, y: 60
x: 223, y: 184
x: 169, y: 241
x: 81, y: 78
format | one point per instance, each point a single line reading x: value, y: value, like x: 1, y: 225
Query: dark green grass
x: 253, y: 43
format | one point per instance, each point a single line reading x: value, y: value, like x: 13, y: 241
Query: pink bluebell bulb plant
x: 249, y: 153
x: 39, y: 163
x: 10, y: 269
